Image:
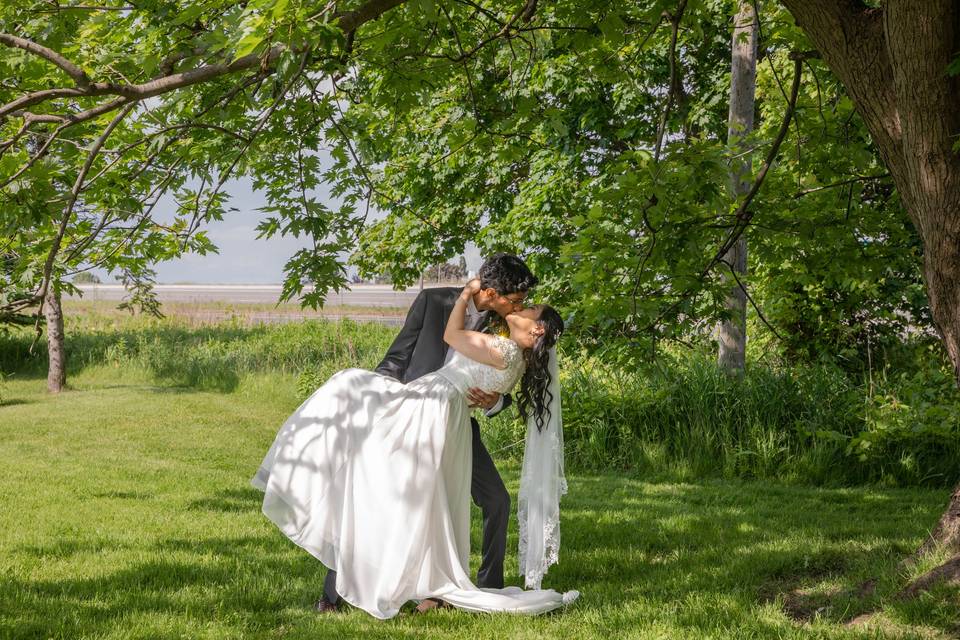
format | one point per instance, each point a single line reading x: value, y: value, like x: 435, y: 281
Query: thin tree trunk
x: 57, y: 364
x: 893, y: 62
x: 732, y: 333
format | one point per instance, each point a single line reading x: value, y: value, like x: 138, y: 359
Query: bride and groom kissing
x: 373, y: 473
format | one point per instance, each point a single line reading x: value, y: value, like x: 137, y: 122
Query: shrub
x: 679, y: 415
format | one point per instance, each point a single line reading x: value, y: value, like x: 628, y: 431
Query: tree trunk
x: 732, y: 333
x: 57, y: 358
x: 893, y: 62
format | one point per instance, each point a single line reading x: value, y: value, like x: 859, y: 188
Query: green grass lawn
x: 127, y: 513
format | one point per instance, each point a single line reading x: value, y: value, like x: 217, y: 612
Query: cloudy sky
x: 243, y: 259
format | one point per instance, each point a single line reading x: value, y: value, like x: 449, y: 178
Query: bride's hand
x: 472, y: 287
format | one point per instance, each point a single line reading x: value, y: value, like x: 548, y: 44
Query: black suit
x: 417, y: 350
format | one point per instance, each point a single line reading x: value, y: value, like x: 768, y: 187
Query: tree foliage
x: 548, y: 147
x: 589, y: 137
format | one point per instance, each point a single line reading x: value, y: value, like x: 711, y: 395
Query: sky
x: 243, y: 258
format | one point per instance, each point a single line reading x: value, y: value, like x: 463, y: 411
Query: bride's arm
x: 473, y: 344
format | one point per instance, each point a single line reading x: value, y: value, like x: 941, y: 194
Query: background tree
x: 895, y: 61
x: 85, y: 277
x: 732, y: 332
x: 446, y: 272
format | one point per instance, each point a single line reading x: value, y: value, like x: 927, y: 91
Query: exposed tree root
x: 947, y: 532
x: 948, y: 573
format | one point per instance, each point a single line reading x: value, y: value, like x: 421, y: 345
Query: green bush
x: 912, y: 426
x: 804, y: 423
x: 678, y: 415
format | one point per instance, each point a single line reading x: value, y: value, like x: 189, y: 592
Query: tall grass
x: 680, y: 416
x: 211, y: 357
x: 802, y: 423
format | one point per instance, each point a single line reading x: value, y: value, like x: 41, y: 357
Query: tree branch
x: 71, y: 202
x: 855, y: 179
x: 83, y: 7
x: 42, y: 151
x: 743, y: 215
x: 72, y: 70
x: 850, y: 37
x: 675, y: 19
x: 366, y: 175
x: 526, y: 13
x: 750, y: 298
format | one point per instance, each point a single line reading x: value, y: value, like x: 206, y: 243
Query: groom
x: 419, y: 349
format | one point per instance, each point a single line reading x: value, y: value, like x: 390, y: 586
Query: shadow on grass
x: 758, y: 548
x: 230, y: 501
x: 15, y: 401
x: 146, y: 388
x: 705, y: 558
x: 124, y: 495
x: 209, y: 578
x: 242, y: 586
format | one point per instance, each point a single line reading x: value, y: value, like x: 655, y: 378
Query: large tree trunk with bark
x: 57, y: 357
x: 893, y: 62
x: 732, y: 333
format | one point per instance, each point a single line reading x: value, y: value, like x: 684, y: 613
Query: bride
x: 372, y: 476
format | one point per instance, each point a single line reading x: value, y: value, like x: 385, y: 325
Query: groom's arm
x: 395, y: 362
x: 491, y: 403
x: 504, y: 402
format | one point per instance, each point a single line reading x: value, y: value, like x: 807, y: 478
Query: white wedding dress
x: 372, y: 477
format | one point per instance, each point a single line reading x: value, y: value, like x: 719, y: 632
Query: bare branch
x: 37, y: 117
x: 36, y: 97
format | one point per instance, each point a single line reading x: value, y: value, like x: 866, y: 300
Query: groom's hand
x: 480, y: 398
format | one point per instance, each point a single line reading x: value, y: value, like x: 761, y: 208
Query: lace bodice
x: 466, y: 373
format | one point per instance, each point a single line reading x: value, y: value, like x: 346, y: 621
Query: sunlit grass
x: 127, y: 514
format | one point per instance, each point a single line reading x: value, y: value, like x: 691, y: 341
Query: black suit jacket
x: 419, y: 348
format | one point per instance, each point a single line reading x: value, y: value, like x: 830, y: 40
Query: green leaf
x: 279, y: 8
x: 248, y: 45
x: 429, y: 9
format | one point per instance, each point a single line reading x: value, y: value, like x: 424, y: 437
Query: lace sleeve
x: 509, y: 351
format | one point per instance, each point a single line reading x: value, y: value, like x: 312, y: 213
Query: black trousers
x: 490, y: 494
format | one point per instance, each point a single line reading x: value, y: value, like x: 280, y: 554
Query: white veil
x: 541, y: 484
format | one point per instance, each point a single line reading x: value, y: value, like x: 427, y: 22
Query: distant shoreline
x: 358, y: 295
x: 208, y: 285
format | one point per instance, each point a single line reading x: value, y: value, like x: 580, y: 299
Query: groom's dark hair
x: 506, y: 274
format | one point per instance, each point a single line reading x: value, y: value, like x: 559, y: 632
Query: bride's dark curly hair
x: 535, y: 385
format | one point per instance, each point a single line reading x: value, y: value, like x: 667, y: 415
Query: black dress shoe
x: 325, y: 606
